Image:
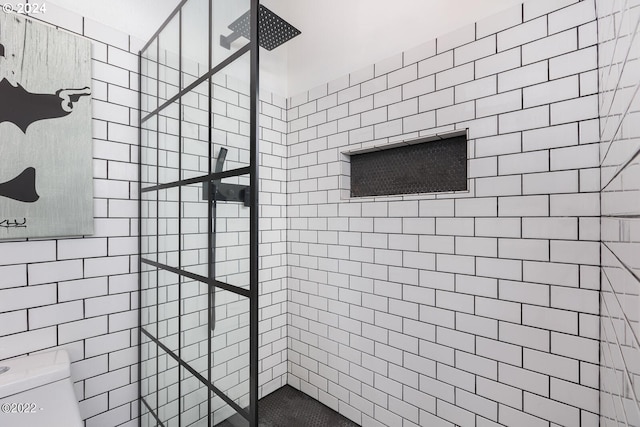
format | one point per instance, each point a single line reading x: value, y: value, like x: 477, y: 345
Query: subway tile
x: 478, y: 88
x: 499, y: 351
x: 455, y: 113
x: 522, y: 34
x: 498, y: 63
x: 27, y: 342
x: 499, y: 21
x: 82, y: 329
x: 472, y: 51
x: 498, y: 186
x: 498, y: 227
x: 13, y: 276
x: 523, y: 76
x: 435, y: 64
x: 361, y: 75
x: 550, y: 228
x: 551, y: 273
x: 548, y: 93
x: 435, y: 100
x: 480, y: 246
x: 27, y: 297
x: 13, y: 322
x: 523, y: 379
x: 418, y: 87
x: 524, y: 336
x: 475, y: 285
x: 62, y: 18
x: 27, y: 252
x: 501, y: 144
x: 510, y: 416
x: 403, y: 75
x: 549, y: 183
x: 476, y: 325
x: 530, y: 118
x: 497, y: 104
x: 550, y: 319
x: 543, y: 7
x: 574, y: 110
x: 550, y: 137
x: 500, y: 393
x: 420, y: 52
x: 403, y: 109
x: 79, y: 289
x: 456, y: 38
x: 584, y: 204
x: 575, y: 252
x: 49, y: 272
x: 555, y: 411
x: 55, y: 314
x: 588, y: 35
x: 106, y: 382
x: 572, y: 16
x: 387, y: 97
x: 388, y: 65
x: 106, y: 304
x: 549, y: 47
x: 455, y: 76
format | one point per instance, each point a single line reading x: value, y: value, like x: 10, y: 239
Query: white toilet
x: 37, y: 391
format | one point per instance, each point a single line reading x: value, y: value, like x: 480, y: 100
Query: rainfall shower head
x: 273, y: 30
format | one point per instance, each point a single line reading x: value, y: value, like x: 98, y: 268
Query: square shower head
x: 273, y: 30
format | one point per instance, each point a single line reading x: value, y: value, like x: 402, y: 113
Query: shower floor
x: 288, y: 407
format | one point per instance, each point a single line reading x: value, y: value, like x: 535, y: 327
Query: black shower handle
x: 222, y: 155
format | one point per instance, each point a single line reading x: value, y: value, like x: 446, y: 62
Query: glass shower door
x: 198, y: 220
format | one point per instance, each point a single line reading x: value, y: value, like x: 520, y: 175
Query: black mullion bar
x: 157, y: 217
x: 199, y: 376
x: 244, y: 49
x: 140, y: 399
x: 254, y: 216
x: 164, y: 24
x: 150, y: 410
x: 211, y: 282
x: 210, y: 177
x: 209, y: 213
x: 180, y: 215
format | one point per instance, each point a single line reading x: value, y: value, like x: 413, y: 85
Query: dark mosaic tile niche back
x: 423, y: 167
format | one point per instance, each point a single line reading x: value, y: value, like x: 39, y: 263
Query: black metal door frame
x: 252, y: 170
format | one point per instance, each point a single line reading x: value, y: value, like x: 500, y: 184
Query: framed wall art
x: 46, y: 166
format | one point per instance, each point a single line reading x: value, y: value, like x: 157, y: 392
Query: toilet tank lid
x: 33, y: 371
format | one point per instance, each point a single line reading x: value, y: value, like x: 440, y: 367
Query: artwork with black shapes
x: 21, y: 188
x: 46, y: 167
x: 23, y: 108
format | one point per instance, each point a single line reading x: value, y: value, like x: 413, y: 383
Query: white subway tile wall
x: 473, y: 308
x: 619, y: 105
x: 81, y: 293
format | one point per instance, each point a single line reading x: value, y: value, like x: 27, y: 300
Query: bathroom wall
x: 619, y: 62
x: 80, y: 293
x: 470, y: 308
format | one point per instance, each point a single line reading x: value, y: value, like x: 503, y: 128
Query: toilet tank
x: 37, y: 391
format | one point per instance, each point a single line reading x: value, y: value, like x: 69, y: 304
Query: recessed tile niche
x: 427, y: 165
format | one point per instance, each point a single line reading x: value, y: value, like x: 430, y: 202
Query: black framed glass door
x: 199, y: 218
